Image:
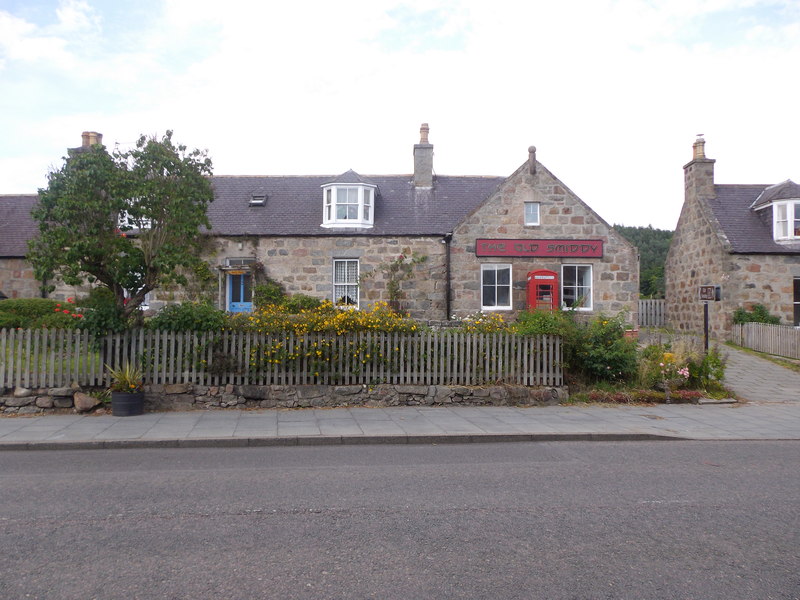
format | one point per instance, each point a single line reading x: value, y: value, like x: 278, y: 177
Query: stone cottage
x: 468, y: 243
x: 744, y: 239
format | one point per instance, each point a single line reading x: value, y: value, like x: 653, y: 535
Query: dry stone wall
x: 23, y: 401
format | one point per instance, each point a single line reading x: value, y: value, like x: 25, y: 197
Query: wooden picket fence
x: 652, y: 313
x: 782, y: 340
x: 56, y: 358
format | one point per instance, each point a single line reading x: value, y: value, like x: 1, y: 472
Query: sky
x: 611, y: 92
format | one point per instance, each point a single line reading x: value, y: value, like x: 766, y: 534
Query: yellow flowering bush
x: 480, y: 322
x: 325, y: 318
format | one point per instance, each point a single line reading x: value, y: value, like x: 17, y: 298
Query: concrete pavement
x: 759, y: 381
x: 404, y: 425
x: 770, y: 411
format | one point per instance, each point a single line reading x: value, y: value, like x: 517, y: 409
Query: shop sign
x: 710, y: 293
x: 540, y: 248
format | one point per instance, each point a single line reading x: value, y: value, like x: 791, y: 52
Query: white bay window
x: 348, y: 206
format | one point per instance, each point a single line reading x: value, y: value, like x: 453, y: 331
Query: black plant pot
x: 127, y: 405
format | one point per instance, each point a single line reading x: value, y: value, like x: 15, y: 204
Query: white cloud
x: 611, y: 92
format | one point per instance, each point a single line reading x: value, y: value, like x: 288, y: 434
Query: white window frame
x: 786, y: 220
x: 364, y: 203
x: 494, y: 268
x: 531, y: 221
x: 585, y: 305
x: 350, y: 286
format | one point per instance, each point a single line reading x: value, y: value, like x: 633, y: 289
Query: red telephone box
x: 542, y: 290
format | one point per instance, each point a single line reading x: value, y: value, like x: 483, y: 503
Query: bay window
x: 348, y: 206
x: 786, y: 220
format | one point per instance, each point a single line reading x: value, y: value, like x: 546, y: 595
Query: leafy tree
x: 653, y: 245
x: 129, y: 221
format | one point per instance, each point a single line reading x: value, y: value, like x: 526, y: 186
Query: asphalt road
x: 635, y: 520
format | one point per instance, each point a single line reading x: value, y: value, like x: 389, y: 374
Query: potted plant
x: 127, y: 396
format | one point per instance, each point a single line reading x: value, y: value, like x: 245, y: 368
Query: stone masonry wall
x: 562, y: 216
x: 760, y: 279
x: 22, y: 401
x: 16, y: 278
x: 696, y: 257
x: 305, y: 265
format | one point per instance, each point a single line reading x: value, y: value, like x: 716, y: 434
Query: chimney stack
x: 423, y: 160
x: 532, y: 160
x: 698, y: 175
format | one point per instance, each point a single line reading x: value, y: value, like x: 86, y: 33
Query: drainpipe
x: 447, y: 287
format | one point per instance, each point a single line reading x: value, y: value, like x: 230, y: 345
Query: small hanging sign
x: 710, y: 293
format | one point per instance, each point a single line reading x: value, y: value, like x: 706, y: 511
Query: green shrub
x: 29, y: 309
x: 98, y: 296
x: 601, y: 352
x: 545, y: 322
x: 268, y: 292
x: 758, y: 314
x: 10, y: 320
x: 56, y: 320
x: 480, y: 322
x: 100, y: 313
x: 707, y: 371
x: 188, y: 316
x: 39, y: 312
x: 297, y: 303
x: 681, y: 364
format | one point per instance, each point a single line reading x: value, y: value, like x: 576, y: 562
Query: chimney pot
x: 423, y: 133
x: 699, y: 147
x: 90, y: 138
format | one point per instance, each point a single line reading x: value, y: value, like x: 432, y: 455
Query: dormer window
x: 348, y: 202
x: 786, y: 218
x: 784, y: 200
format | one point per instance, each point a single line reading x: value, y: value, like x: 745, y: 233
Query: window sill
x: 347, y: 225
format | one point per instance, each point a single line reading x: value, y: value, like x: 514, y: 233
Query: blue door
x: 240, y: 293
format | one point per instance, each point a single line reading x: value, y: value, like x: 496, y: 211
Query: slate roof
x: 749, y: 231
x: 294, y: 205
x: 785, y: 190
x: 16, y: 224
